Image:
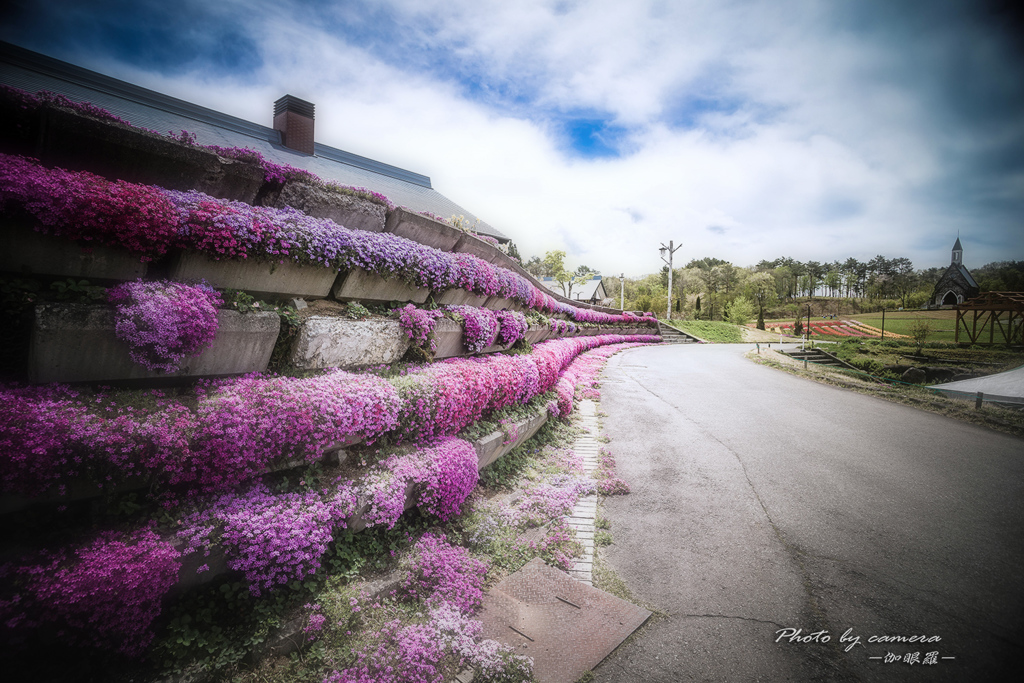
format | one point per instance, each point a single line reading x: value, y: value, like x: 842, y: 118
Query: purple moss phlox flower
x: 163, y: 322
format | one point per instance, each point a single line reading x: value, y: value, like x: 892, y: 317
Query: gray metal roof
x: 967, y: 276
x: 33, y: 72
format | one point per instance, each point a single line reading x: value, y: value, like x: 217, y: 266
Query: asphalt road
x: 761, y: 501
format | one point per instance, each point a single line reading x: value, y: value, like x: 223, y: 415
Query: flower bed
x: 50, y: 435
x: 149, y: 221
x: 276, y: 537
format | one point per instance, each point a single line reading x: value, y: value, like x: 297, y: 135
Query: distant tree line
x: 713, y: 289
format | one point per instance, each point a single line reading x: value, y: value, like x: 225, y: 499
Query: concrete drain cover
x: 567, y: 627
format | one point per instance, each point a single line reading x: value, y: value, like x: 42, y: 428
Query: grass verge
x: 994, y: 417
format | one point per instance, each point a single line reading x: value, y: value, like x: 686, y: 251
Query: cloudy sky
x: 816, y: 129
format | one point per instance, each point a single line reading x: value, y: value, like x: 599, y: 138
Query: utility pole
x: 670, y: 250
x: 622, y: 284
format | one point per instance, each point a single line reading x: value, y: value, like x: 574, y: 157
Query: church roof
x: 957, y: 247
x: 33, y: 72
x: 967, y: 274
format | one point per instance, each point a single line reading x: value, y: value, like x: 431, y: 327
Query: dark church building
x: 956, y: 285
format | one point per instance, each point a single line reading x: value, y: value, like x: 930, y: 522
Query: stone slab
x: 360, y: 285
x: 355, y: 213
x: 413, y: 226
x: 27, y: 252
x: 459, y: 297
x: 331, y: 342
x: 115, y: 151
x: 483, y: 250
x: 260, y: 278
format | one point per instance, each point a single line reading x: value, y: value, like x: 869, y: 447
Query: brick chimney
x: 294, y: 118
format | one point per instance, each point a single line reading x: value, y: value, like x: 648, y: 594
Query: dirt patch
x: 752, y: 335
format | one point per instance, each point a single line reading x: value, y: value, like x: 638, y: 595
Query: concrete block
x: 500, y: 303
x: 489, y: 448
x: 417, y: 228
x: 477, y: 247
x: 538, y: 333
x: 448, y: 339
x: 355, y: 213
x: 330, y: 342
x: 360, y: 285
x: 118, y: 152
x: 260, y: 278
x: 76, y: 343
x: 459, y: 297
x: 27, y: 252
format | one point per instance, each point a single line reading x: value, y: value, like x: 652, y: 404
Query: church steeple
x: 958, y: 253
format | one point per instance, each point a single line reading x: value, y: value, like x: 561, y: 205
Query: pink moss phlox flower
x: 480, y: 327
x: 441, y: 572
x: 164, y: 322
x: 419, y: 323
x: 439, y: 476
x: 148, y: 220
x: 103, y: 594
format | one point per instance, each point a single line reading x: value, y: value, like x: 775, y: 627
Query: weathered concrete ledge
x: 361, y: 285
x: 331, y: 342
x: 449, y: 341
x: 459, y: 297
x: 261, y: 278
x: 76, y: 343
x: 497, y: 445
x: 468, y: 244
x: 418, y: 228
x: 118, y: 152
x: 27, y: 252
x: 355, y: 213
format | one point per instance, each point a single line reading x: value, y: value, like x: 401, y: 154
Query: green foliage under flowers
x: 505, y: 473
x: 216, y: 627
x: 497, y: 420
x: 356, y: 311
x: 78, y: 291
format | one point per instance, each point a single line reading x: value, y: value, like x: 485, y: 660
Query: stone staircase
x: 670, y: 335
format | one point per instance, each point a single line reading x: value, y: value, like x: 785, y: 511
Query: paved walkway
x: 1009, y: 384
x: 584, y: 514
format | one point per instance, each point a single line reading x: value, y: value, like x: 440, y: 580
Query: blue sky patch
x: 592, y: 137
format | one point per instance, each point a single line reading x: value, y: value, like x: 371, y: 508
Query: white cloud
x: 837, y: 141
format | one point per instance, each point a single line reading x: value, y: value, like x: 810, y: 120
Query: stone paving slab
x: 568, y: 627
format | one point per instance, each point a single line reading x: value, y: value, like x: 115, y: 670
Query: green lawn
x: 717, y: 332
